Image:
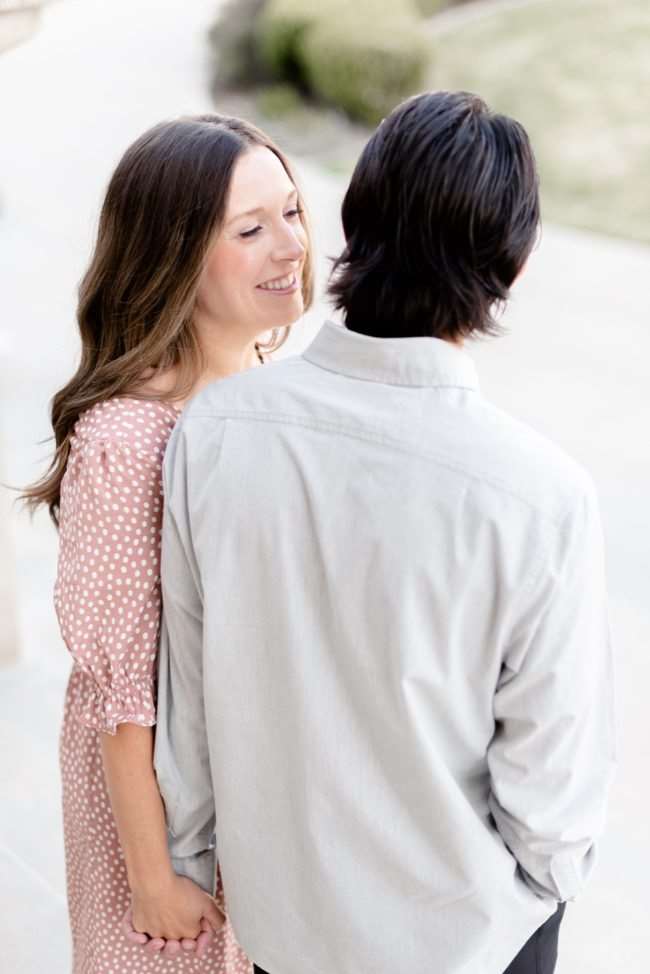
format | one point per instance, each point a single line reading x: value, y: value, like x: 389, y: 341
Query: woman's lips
x: 281, y: 285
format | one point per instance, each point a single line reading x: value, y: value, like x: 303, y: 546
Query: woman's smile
x: 281, y: 285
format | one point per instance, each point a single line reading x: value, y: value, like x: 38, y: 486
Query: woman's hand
x: 175, y: 916
x: 168, y: 913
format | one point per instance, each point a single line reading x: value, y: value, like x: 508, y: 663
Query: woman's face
x: 251, y: 280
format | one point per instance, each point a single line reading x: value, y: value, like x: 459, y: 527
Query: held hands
x: 178, y: 916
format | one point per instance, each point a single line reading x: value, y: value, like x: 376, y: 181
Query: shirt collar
x: 395, y: 361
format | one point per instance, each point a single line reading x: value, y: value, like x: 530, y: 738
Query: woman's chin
x: 289, y: 309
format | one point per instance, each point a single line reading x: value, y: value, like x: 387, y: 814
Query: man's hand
x: 177, y: 916
x: 157, y: 944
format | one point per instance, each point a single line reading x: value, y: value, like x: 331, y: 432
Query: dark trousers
x: 537, y: 956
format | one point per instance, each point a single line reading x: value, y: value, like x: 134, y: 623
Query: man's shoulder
x: 258, y: 394
x: 522, y: 462
x: 484, y: 444
x: 246, y: 392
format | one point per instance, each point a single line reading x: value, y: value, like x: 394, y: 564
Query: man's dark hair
x: 439, y: 218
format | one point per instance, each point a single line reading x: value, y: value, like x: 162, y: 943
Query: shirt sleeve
x: 181, y: 756
x: 552, y: 754
x: 107, y: 594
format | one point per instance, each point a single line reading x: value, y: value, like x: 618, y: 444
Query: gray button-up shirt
x: 385, y: 679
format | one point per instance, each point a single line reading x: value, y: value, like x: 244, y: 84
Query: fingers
x: 214, y: 915
x: 171, y: 949
x: 203, y: 941
x: 212, y: 921
x: 129, y: 931
x: 155, y: 945
x: 205, y: 938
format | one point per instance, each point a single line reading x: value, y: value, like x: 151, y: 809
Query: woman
x: 203, y: 248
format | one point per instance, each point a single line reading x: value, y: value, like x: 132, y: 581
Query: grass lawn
x: 576, y: 73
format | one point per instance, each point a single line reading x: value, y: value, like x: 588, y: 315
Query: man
x: 385, y: 676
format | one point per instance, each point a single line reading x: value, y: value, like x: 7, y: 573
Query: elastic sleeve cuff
x: 104, y: 710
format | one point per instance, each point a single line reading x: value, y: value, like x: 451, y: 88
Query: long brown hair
x: 164, y: 203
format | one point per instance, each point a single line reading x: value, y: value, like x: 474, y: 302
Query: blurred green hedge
x: 280, y: 30
x: 234, y: 43
x: 363, y: 57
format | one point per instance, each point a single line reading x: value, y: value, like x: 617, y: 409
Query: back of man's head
x: 440, y: 216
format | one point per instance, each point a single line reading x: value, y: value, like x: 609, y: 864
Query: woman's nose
x: 290, y: 244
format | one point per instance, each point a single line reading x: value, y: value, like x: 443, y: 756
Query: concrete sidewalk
x: 573, y: 365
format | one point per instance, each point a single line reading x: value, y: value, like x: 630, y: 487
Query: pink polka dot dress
x: 107, y: 598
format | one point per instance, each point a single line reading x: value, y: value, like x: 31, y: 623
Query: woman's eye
x: 296, y: 211
x: 250, y: 233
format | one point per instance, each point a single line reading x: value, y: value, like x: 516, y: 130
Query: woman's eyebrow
x: 239, y: 216
x: 259, y: 209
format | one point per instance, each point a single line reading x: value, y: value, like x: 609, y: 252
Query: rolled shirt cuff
x: 200, y: 868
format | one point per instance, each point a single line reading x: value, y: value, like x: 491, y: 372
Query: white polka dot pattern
x: 107, y: 599
x: 107, y: 593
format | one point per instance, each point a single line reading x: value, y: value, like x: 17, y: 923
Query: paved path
x: 574, y: 366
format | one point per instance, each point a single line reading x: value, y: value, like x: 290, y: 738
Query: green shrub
x: 366, y: 74
x: 234, y: 43
x: 363, y: 57
x: 280, y: 29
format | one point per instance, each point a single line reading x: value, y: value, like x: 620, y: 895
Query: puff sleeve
x: 107, y: 593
